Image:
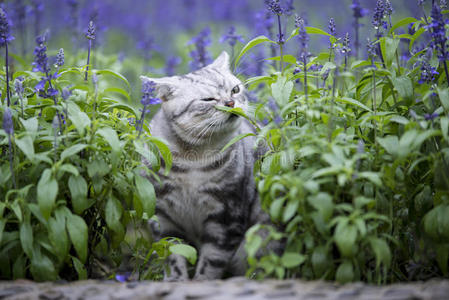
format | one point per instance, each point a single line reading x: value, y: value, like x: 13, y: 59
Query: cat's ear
x: 165, y: 86
x: 222, y: 62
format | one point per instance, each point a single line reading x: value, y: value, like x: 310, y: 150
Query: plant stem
x: 88, y: 60
x: 11, y: 163
x: 281, y: 42
x: 398, y: 63
x: 374, y: 106
x: 331, y: 121
x: 446, y: 71
x: 305, y: 76
x: 56, y: 103
x: 7, y: 75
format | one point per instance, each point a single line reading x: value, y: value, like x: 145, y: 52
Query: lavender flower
x: 421, y: 2
x: 428, y: 73
x: 358, y: 13
x: 66, y: 93
x: 5, y: 24
x: 91, y: 31
x: 379, y: 13
x: 8, y: 125
x: 431, y: 117
x: 90, y: 35
x: 40, y: 51
x: 275, y: 7
x: 371, y: 49
x: 171, y: 64
x: 357, y: 9
x: 289, y: 8
x: 18, y: 85
x: 332, y: 29
x: 148, y: 88
x: 231, y: 37
x: 200, y: 56
x: 303, y: 37
x: 60, y: 58
x: 5, y: 38
x: 439, y: 38
x: 443, y: 4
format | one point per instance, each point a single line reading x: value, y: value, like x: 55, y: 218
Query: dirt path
x: 236, y: 288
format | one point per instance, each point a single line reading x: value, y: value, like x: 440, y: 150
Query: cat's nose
x: 230, y: 103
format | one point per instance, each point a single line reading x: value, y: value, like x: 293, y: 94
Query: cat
x: 209, y: 199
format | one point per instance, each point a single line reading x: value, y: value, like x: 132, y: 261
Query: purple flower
x: 123, y: 277
x: 66, y: 93
x: 421, y: 2
x: 18, y: 85
x: 360, y: 147
x: 40, y: 51
x: 289, y: 8
x: 91, y: 31
x: 443, y: 4
x: 8, y: 125
x: 231, y: 37
x: 5, y: 24
x: 357, y: 9
x: 200, y: 56
x: 379, y: 13
x: 431, y: 117
x: 371, y: 49
x: 346, y: 44
x: 170, y: 65
x: 275, y: 7
x: 60, y: 58
x: 303, y: 37
x: 388, y: 8
x: 297, y: 70
x: 332, y: 29
x: 427, y: 73
x: 438, y: 32
x: 148, y: 89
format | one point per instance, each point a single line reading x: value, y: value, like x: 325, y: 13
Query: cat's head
x: 189, y: 101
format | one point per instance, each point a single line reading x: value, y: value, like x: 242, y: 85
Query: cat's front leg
x: 177, y: 269
x: 219, y: 243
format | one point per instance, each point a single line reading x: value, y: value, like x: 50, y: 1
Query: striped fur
x: 209, y: 198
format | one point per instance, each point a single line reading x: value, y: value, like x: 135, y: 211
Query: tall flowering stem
x: 275, y: 7
x: 232, y: 38
x: 378, y: 22
x: 5, y: 38
x: 90, y: 35
x: 148, y: 88
x: 358, y: 13
x: 439, y: 38
x: 371, y: 54
x: 18, y: 85
x: 8, y: 126
x: 200, y: 56
x: 303, y: 38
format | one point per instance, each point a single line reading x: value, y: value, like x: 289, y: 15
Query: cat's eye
x: 208, y: 99
x: 235, y: 90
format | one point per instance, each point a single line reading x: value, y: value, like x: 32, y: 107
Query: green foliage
x: 77, y: 186
x: 356, y: 178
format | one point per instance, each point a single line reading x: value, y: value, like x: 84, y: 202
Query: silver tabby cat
x: 209, y: 199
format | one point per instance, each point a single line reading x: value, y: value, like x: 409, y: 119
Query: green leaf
x: 42, y: 268
x: 57, y: 235
x: 80, y: 268
x: 314, y: 30
x: 381, y: 251
x: 119, y: 91
x: 322, y: 202
x: 442, y: 257
x: 31, y: 126
x: 402, y: 22
x: 184, y: 250
x: 78, y: 192
x: 47, y: 190
x: 110, y: 135
x: 26, y: 145
x: 390, y: 144
x: 290, y: 210
x: 147, y: 196
x: 444, y: 98
x: 2, y: 227
x: 254, y: 42
x: 79, y: 118
x: 320, y: 261
x: 353, y: 102
x: 113, y: 213
x: 345, y: 236
x: 281, y: 90
x: 78, y: 235
x: 72, y: 150
x: 114, y: 74
x: 345, y: 272
x: 68, y: 168
x: 286, y: 58
x: 444, y: 121
x: 236, y: 139
x: 165, y: 153
x: 276, y: 208
x: 26, y: 238
x: 404, y: 86
x: 292, y: 259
